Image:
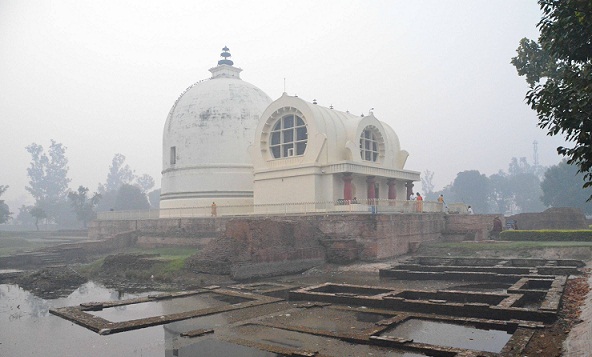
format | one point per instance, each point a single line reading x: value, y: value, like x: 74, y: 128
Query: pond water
x: 28, y: 329
x: 451, y: 334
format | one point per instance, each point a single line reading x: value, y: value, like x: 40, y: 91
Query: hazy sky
x: 101, y: 76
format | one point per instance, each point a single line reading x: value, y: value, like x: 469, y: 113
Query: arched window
x: 288, y: 137
x: 370, y: 141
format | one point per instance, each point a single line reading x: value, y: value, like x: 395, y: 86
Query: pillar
x: 371, y: 181
x: 392, y: 189
x: 347, y: 187
x: 409, y: 186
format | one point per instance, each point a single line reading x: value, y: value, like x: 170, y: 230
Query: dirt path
x: 579, y: 340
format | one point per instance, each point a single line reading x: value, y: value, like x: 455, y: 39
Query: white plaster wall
x: 211, y: 125
x: 293, y: 189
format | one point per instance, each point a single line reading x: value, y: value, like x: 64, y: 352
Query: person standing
x: 214, y: 209
x: 419, y: 200
x: 497, y: 228
x: 441, y: 200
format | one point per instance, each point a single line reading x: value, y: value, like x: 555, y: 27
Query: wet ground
x: 271, y: 329
x: 27, y: 327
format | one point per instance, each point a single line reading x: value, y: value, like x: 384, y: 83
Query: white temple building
x: 225, y: 141
x: 304, y: 152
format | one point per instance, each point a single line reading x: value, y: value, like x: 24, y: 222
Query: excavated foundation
x: 491, y: 307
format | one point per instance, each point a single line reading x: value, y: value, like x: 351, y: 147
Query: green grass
x: 165, y: 253
x: 171, y: 262
x: 12, y: 245
x: 91, y: 268
x: 505, y: 245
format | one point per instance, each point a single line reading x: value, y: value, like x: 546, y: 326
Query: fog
x: 101, y: 76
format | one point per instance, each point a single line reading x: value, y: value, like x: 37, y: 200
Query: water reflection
x: 28, y: 329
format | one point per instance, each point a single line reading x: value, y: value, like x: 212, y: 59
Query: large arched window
x: 288, y: 137
x: 370, y: 142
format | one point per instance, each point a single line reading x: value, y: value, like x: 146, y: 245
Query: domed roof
x: 207, y: 135
x: 214, y: 120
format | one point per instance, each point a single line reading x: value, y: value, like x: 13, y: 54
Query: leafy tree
x: 83, y: 205
x: 4, y: 209
x: 48, y: 174
x: 154, y: 198
x: 526, y: 188
x: 24, y: 216
x: 501, y: 195
x: 559, y: 72
x: 119, y: 174
x: 145, y: 183
x: 38, y: 213
x: 130, y: 197
x: 518, y: 190
x: 472, y: 188
x: 561, y: 188
x: 49, y: 181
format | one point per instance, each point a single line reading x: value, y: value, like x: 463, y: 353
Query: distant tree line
x: 524, y: 188
x: 55, y: 203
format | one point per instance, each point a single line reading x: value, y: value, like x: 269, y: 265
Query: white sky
x: 101, y: 76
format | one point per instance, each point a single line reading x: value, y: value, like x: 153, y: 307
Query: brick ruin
x: 494, y: 312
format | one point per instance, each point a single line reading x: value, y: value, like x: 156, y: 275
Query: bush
x: 548, y: 235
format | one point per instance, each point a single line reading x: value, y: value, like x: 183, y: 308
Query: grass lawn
x: 17, y: 244
x: 506, y: 245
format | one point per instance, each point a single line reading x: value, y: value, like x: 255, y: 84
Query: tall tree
x: 83, y: 205
x: 526, y: 188
x: 4, y: 209
x: 154, y: 198
x: 48, y: 175
x: 145, y: 183
x: 501, y: 195
x: 561, y: 188
x: 48, y: 181
x: 119, y: 174
x: 24, y: 216
x: 472, y: 188
x: 559, y: 72
x: 38, y: 213
x: 131, y: 197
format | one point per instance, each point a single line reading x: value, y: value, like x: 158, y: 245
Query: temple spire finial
x: 226, y: 55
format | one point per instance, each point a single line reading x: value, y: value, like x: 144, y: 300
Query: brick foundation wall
x: 552, y: 218
x: 469, y: 226
x: 263, y: 246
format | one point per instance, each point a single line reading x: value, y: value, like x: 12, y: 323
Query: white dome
x: 205, y: 141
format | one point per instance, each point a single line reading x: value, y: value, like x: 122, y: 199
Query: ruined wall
x: 262, y: 246
x: 385, y: 235
x: 69, y: 253
x: 186, y: 232
x: 552, y: 218
x: 461, y: 227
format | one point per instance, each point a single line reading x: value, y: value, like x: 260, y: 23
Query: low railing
x: 301, y: 208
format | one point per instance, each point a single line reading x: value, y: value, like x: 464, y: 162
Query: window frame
x: 371, y: 144
x: 288, y: 136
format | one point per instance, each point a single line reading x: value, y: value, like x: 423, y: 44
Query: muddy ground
x: 123, y: 271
